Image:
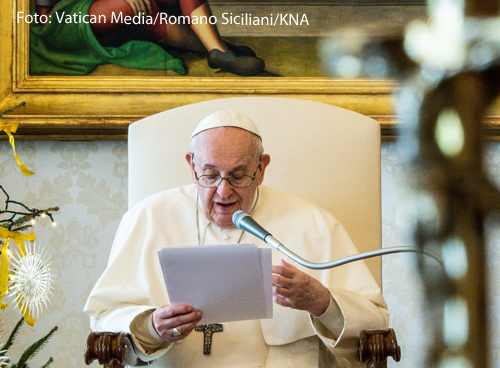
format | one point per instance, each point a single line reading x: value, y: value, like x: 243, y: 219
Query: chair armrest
x: 376, y: 345
x: 109, y: 348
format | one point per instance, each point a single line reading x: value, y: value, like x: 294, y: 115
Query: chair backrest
x: 325, y: 154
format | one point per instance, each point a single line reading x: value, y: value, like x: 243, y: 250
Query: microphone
x: 244, y: 221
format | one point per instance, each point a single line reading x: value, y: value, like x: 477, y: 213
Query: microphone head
x: 244, y: 221
x: 238, y: 216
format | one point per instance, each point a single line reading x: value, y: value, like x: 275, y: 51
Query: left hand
x: 296, y: 289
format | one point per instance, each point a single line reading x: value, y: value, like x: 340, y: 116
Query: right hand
x: 140, y: 6
x: 183, y: 317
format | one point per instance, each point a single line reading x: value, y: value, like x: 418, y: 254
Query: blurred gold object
x: 450, y: 66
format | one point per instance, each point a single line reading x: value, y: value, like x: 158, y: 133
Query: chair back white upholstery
x: 326, y: 154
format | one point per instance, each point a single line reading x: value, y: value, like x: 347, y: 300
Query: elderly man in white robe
x: 318, y: 314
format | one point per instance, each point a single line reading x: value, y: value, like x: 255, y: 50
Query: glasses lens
x: 209, y: 181
x: 241, y: 181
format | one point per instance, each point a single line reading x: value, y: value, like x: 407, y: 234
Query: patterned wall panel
x: 88, y: 180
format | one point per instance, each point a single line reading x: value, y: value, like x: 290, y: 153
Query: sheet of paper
x: 226, y: 282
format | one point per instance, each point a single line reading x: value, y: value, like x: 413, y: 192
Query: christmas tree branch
x: 35, y: 348
x: 49, y: 362
x: 26, y: 214
x: 12, y: 336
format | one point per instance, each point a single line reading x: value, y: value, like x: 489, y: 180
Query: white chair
x: 323, y: 153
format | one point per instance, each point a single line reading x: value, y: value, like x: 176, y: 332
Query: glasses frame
x: 221, y: 178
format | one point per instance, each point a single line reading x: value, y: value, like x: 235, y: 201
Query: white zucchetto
x: 226, y: 118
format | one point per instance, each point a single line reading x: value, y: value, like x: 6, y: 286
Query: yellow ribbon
x: 4, y: 269
x: 26, y: 314
x: 9, y: 129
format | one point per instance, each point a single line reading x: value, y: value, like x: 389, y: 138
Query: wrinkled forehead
x: 225, y: 144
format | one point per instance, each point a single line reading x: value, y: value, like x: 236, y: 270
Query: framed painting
x: 103, y: 102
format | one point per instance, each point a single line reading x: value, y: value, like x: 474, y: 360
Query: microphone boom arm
x: 355, y: 257
x: 245, y: 222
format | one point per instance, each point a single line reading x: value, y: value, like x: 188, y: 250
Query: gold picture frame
x: 99, y: 107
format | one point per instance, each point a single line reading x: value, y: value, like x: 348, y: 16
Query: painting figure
x: 73, y: 35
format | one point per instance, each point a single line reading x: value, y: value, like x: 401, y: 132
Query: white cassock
x: 132, y: 286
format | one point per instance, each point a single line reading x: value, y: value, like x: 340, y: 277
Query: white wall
x: 88, y: 180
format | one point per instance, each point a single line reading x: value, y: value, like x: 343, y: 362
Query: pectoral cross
x: 208, y: 331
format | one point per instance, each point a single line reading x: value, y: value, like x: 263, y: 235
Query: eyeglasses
x: 237, y: 181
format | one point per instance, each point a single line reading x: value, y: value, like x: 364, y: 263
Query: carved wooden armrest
x: 109, y: 348
x: 376, y: 345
